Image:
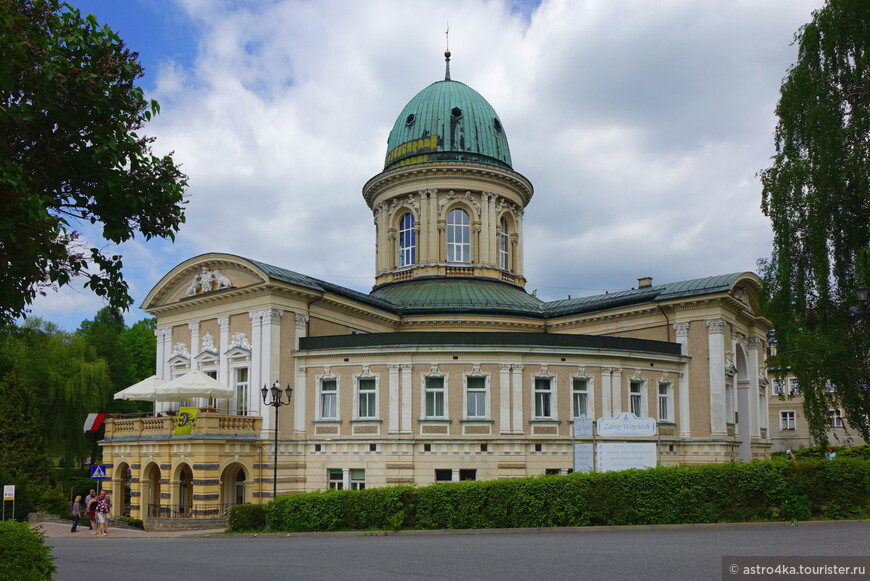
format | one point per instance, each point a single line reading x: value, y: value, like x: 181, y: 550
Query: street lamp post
x: 277, y: 402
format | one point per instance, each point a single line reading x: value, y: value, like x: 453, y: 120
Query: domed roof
x: 447, y: 121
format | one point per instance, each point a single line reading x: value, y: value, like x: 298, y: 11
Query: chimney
x: 644, y: 282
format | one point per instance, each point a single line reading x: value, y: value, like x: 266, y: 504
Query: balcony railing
x: 206, y: 423
x: 189, y: 510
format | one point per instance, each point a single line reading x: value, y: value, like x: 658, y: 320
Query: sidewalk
x: 55, y: 530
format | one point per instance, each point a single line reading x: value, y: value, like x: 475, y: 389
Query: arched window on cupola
x: 503, y: 245
x: 407, y: 240
x: 458, y: 236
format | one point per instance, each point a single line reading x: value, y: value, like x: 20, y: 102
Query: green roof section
x: 663, y: 292
x: 459, y: 295
x: 447, y: 121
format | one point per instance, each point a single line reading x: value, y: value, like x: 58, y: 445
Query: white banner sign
x: 583, y: 461
x: 8, y: 492
x: 626, y: 424
x: 583, y: 427
x: 614, y: 456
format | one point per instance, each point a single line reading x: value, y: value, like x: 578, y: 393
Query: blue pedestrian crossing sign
x: 98, y: 472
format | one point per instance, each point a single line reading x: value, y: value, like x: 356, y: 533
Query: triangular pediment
x: 205, y: 275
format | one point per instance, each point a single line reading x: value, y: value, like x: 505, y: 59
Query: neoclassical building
x: 448, y: 369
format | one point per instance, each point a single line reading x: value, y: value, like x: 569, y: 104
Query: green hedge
x: 23, y: 553
x: 757, y: 491
x: 246, y: 517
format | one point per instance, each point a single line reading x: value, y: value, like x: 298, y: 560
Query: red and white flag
x: 94, y: 422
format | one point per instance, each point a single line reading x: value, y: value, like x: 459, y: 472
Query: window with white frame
x: 787, y: 420
x: 666, y: 402
x: 794, y: 388
x: 458, y: 236
x: 835, y: 418
x: 434, y: 397
x: 328, y: 399
x: 580, y: 397
x: 357, y: 479
x: 544, y: 397
x: 335, y: 479
x: 778, y: 387
x: 443, y: 475
x: 635, y: 398
x: 475, y: 397
x: 407, y: 240
x: 241, y: 387
x: 367, y: 398
x: 503, y: 245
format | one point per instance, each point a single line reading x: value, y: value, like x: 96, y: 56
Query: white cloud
x: 641, y: 124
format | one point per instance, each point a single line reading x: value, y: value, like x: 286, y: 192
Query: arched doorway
x: 184, y: 490
x: 234, y: 489
x: 121, y: 490
x: 150, y: 496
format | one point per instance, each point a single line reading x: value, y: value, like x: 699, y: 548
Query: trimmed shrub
x: 136, y: 523
x: 24, y: 554
x: 246, y: 517
x: 338, y: 510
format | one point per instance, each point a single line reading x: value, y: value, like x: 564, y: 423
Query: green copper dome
x: 447, y: 121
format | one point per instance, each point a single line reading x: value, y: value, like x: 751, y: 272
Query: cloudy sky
x: 642, y: 125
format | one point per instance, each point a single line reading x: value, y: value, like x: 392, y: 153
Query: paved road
x: 621, y: 553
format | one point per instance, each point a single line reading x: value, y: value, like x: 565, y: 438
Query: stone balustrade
x: 206, y: 423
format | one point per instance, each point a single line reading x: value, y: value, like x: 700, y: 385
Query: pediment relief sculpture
x: 208, y: 281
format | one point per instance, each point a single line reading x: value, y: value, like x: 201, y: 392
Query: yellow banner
x: 185, y: 422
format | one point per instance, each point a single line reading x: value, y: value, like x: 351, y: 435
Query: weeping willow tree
x: 816, y: 195
x: 65, y: 377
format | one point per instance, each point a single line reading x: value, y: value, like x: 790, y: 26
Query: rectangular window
x: 240, y: 386
x: 835, y: 418
x: 794, y: 387
x: 367, y: 399
x: 543, y: 397
x: 580, y: 398
x: 357, y: 479
x: 328, y: 399
x: 434, y: 397
x: 665, y: 403
x: 635, y: 399
x: 336, y: 479
x: 787, y: 420
x: 443, y: 475
x: 475, y: 397
x: 778, y: 387
x: 467, y: 474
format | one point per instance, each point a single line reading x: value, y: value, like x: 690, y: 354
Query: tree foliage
x: 71, y: 154
x: 816, y: 195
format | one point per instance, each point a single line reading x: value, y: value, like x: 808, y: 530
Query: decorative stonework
x: 636, y: 376
x: 326, y: 430
x: 475, y: 369
x: 715, y: 326
x: 476, y: 430
x: 180, y: 350
x: 365, y: 430
x: 665, y: 378
x: 208, y: 344
x: 545, y: 372
x: 545, y: 430
x: 301, y: 322
x: 224, y: 323
x: 434, y: 429
x: 208, y: 281
x: 681, y: 329
x: 240, y: 340
x: 741, y: 295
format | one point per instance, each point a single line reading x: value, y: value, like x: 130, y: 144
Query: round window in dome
x: 456, y: 113
x: 409, y: 120
x: 497, y: 124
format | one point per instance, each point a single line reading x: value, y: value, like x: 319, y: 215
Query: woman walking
x: 92, y: 511
x: 77, y: 513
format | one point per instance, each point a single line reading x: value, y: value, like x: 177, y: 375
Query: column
x: 681, y: 331
x: 716, y: 348
x: 407, y: 399
x: 223, y: 345
x: 255, y: 379
x: 517, y: 399
x: 752, y: 345
x: 194, y: 345
x: 300, y: 399
x: 616, y: 390
x: 606, y: 392
x: 504, y: 394
x: 270, y: 321
x: 393, y: 401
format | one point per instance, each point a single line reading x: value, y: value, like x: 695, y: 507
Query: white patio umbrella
x: 190, y: 385
x: 142, y: 391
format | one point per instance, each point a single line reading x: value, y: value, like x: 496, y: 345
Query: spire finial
x: 447, y: 53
